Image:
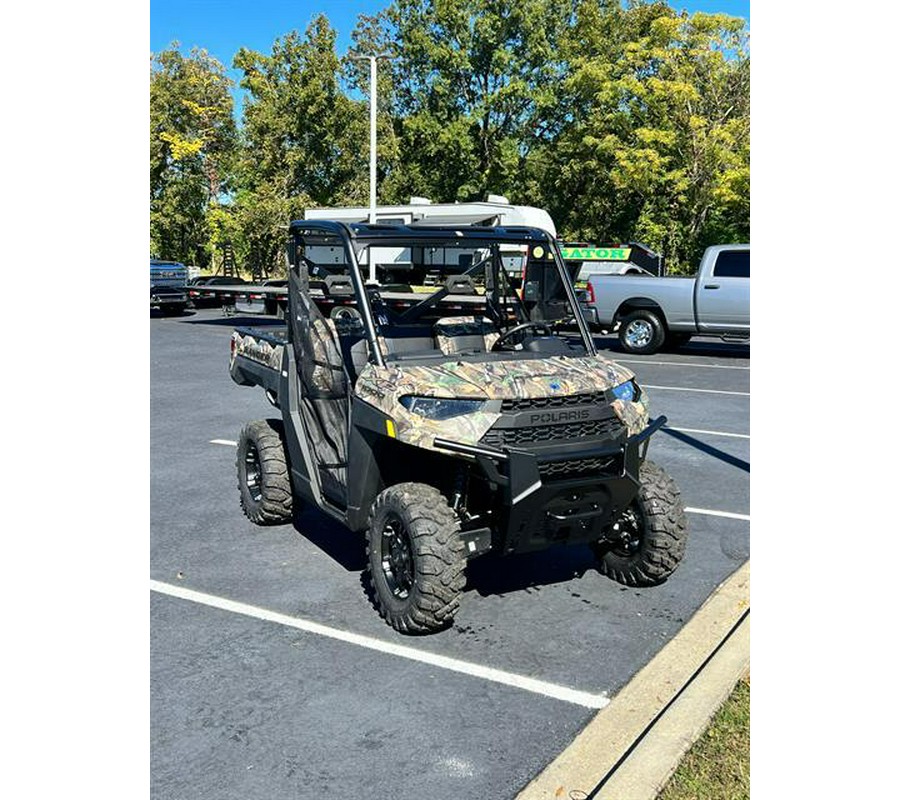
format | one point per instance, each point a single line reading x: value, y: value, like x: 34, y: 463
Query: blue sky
x: 223, y: 26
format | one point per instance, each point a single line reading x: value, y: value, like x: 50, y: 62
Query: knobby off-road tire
x: 264, y: 480
x: 642, y: 332
x: 654, y: 546
x: 417, y: 592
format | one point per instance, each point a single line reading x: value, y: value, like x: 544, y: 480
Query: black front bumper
x: 553, y: 494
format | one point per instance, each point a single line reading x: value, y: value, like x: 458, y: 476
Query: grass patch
x: 717, y: 767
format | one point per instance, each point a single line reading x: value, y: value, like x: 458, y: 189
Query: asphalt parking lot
x: 273, y: 677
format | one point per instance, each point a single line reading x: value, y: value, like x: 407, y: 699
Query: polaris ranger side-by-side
x: 464, y: 416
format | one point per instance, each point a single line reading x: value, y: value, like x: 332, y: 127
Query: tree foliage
x: 192, y: 146
x: 303, y: 137
x: 624, y: 121
x: 475, y: 89
x: 657, y: 146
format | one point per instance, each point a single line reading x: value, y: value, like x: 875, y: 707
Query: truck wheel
x: 263, y: 476
x: 642, y: 332
x: 647, y: 543
x: 416, y: 558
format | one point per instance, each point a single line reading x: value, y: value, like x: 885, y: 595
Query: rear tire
x: 653, y: 533
x: 264, y: 479
x: 416, y: 558
x: 642, y: 332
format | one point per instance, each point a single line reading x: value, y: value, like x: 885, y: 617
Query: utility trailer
x: 391, y: 267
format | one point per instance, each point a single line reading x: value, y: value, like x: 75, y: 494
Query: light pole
x: 373, y: 156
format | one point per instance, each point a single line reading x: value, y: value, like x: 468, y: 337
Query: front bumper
x: 163, y: 297
x: 556, y: 493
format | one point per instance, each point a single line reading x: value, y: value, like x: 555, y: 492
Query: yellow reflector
x: 538, y: 252
x: 389, y: 424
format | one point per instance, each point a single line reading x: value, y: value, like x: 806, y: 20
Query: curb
x: 632, y: 746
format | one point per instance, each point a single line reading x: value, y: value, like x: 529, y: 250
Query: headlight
x: 629, y: 392
x: 440, y: 407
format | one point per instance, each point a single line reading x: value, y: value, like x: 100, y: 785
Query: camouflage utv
x: 449, y: 410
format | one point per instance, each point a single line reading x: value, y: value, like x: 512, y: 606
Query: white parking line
x: 711, y: 513
x: 711, y: 433
x: 691, y: 389
x: 223, y: 441
x: 679, y: 364
x: 533, y: 685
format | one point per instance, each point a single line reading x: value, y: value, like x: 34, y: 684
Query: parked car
x: 651, y: 313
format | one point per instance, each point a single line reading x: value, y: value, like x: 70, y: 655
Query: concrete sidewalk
x: 632, y: 747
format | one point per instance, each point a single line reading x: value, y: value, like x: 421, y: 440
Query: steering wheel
x: 517, y: 329
x: 348, y: 313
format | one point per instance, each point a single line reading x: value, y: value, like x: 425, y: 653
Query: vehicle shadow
x: 711, y: 347
x: 493, y: 574
x: 708, y: 449
x: 249, y: 320
x: 158, y: 313
x: 331, y: 537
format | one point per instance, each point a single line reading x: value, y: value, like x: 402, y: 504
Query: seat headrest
x: 338, y: 285
x: 459, y: 284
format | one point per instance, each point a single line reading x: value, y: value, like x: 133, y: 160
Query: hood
x: 559, y: 376
x: 494, y: 380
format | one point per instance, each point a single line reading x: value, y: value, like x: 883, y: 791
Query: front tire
x: 648, y: 541
x: 264, y: 479
x: 642, y: 332
x: 416, y: 558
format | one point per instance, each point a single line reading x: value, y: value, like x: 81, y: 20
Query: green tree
x: 474, y: 90
x: 302, y: 132
x: 304, y: 142
x: 657, y: 146
x: 192, y: 145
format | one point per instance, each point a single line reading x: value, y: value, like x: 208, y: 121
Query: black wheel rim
x: 628, y: 532
x: 396, y: 558
x: 254, y: 472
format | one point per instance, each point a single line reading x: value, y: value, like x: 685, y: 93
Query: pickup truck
x: 168, y: 292
x: 652, y: 313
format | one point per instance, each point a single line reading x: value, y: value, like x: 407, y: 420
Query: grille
x: 553, y: 402
x: 583, y: 466
x: 592, y: 429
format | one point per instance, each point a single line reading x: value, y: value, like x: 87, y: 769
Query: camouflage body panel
x: 558, y: 376
x: 327, y: 372
x: 258, y: 350
x: 634, y: 414
x: 448, y: 328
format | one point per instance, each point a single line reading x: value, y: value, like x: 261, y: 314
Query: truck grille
x: 554, y: 402
x: 605, y: 465
x: 592, y: 429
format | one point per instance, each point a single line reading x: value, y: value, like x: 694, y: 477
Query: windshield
x: 434, y: 297
x: 474, y: 293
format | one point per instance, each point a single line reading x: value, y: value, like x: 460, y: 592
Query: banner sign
x: 596, y: 253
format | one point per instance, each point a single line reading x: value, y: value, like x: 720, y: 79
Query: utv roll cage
x: 356, y: 237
